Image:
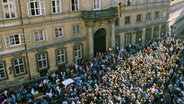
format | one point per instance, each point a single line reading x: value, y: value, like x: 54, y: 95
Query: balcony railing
x: 100, y: 14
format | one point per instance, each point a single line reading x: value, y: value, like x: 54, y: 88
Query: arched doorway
x: 100, y: 41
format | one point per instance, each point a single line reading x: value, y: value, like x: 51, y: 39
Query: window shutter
x: 7, y: 41
x: 42, y: 7
x: 44, y: 34
x: 22, y: 38
x: 0, y: 41
x: 28, y: 9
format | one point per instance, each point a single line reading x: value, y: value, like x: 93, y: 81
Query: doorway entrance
x: 99, y: 41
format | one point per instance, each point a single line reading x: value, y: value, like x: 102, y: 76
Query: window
x: 139, y: 18
x: 164, y: 14
x: 128, y: 39
x: 36, y: 7
x: 127, y: 20
x: 40, y: 35
x: 128, y: 2
x: 42, y: 61
x: 139, y: 1
x: 14, y: 40
x: 157, y: 14
x: 19, y: 66
x: 96, y: 4
x: 9, y: 9
x: 75, y: 5
x: 117, y: 22
x: 58, y: 32
x: 77, y: 52
x: 115, y: 2
x: 2, y: 70
x: 148, y: 16
x: 75, y: 29
x: 56, y: 6
x: 60, y: 56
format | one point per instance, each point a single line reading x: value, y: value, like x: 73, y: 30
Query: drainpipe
x: 25, y: 45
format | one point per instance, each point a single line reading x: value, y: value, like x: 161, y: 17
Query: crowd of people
x: 150, y: 73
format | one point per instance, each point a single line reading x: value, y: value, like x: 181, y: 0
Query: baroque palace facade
x: 41, y: 36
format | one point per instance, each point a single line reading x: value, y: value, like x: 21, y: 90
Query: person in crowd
x: 150, y: 73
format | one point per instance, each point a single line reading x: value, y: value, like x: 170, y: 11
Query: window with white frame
x: 58, y: 32
x: 9, y: 8
x: 42, y: 61
x: 115, y: 2
x: 36, y: 7
x: 164, y: 14
x: 2, y: 70
x: 75, y: 5
x: 75, y: 29
x: 40, y: 35
x: 78, y: 52
x: 56, y: 6
x: 61, y: 56
x: 19, y: 66
x: 14, y: 40
x: 96, y: 4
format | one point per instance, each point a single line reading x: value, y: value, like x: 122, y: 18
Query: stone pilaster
x: 90, y: 38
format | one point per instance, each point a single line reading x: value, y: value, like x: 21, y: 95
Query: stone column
x: 112, y: 32
x: 133, y: 37
x: 152, y: 32
x: 90, y: 38
x: 143, y: 34
x: 159, y: 31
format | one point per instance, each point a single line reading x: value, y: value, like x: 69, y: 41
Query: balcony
x: 100, y: 14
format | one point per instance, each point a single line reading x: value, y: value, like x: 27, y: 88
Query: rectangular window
x: 75, y: 5
x: 164, y: 14
x: 128, y: 39
x: 40, y: 35
x: 127, y: 20
x: 2, y: 70
x: 148, y: 16
x: 19, y: 66
x: 61, y: 56
x: 128, y: 2
x: 75, y: 29
x: 14, y: 40
x: 157, y: 15
x: 96, y: 5
x: 9, y: 9
x: 42, y: 61
x: 56, y: 6
x: 77, y: 52
x: 36, y: 7
x: 58, y: 32
x: 139, y: 18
